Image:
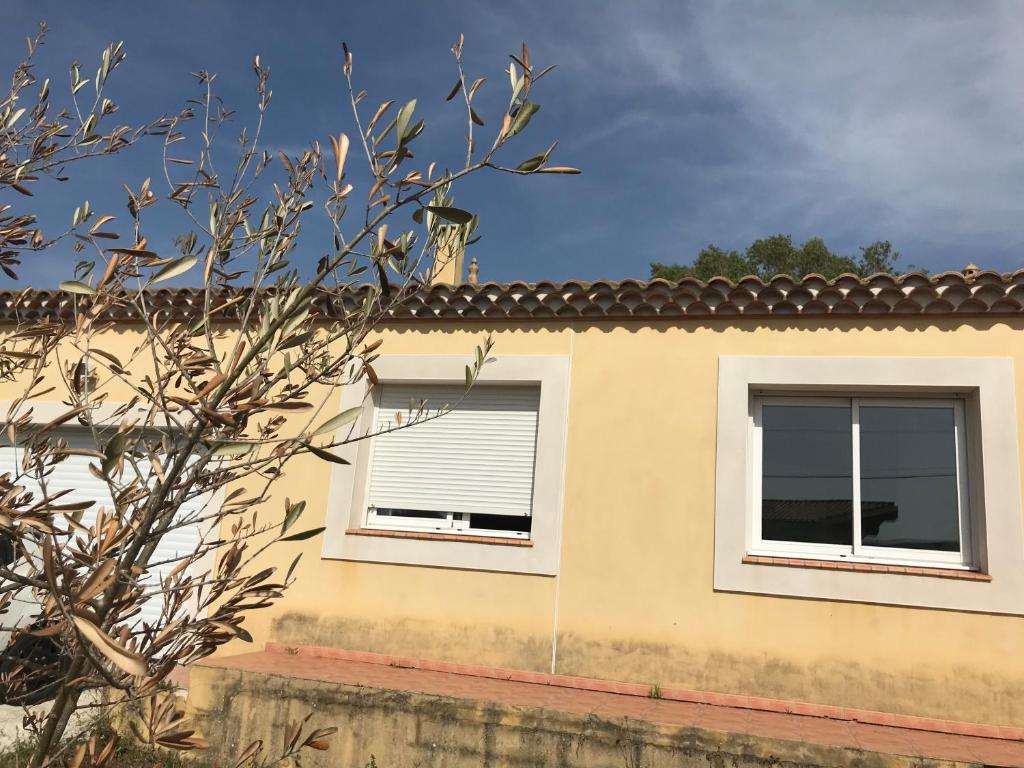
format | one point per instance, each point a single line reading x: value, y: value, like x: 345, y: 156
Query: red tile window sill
x: 427, y: 536
x: 838, y: 565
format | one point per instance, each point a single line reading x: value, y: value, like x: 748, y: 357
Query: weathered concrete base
x: 411, y: 730
x: 945, y: 691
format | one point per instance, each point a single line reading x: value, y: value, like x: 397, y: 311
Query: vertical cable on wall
x: 561, y: 503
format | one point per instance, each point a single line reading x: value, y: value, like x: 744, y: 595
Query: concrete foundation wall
x: 406, y: 730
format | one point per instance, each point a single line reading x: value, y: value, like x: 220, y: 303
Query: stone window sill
x: 428, y: 536
x: 835, y: 565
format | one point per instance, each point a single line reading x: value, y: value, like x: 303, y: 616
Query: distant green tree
x: 778, y: 255
x: 880, y: 257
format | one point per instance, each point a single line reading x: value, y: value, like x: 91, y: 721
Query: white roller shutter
x: 74, y: 473
x: 478, y: 459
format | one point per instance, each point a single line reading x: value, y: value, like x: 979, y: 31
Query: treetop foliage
x: 779, y: 255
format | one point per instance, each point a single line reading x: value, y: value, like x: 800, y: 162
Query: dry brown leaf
x: 123, y: 659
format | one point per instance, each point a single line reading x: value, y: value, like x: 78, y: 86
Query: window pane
x: 908, y: 484
x: 499, y: 523
x: 429, y: 515
x: 807, y: 466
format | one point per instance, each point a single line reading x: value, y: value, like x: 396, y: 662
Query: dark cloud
x: 696, y: 123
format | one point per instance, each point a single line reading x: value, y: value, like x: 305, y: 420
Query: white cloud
x: 916, y: 111
x: 849, y: 120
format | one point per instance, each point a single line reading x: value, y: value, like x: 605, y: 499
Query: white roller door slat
x: 73, y: 473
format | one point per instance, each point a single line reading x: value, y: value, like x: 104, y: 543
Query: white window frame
x: 347, y: 494
x: 453, y: 522
x: 858, y: 552
x: 988, y: 388
x: 408, y: 523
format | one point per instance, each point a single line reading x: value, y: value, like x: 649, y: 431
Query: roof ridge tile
x: 982, y: 292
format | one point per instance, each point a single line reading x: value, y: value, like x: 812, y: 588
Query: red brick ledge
x: 426, y: 535
x: 839, y: 565
x: 759, y: 703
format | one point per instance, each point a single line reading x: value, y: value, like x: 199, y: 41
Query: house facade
x: 800, y: 490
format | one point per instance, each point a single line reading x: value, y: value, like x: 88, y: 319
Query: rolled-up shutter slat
x: 477, y: 459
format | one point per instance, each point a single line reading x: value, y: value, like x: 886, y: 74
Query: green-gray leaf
x: 296, y: 340
x: 232, y: 449
x: 343, y: 418
x: 294, y: 510
x: 325, y: 455
x: 402, y: 121
x: 454, y: 215
x: 533, y: 163
x: 303, y: 535
x: 74, y: 286
x: 522, y: 118
x: 175, y: 268
x: 413, y: 132
x: 112, y: 452
x: 291, y: 568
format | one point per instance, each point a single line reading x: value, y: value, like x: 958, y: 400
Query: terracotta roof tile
x: 983, y: 293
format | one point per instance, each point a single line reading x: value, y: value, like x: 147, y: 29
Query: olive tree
x: 197, y: 420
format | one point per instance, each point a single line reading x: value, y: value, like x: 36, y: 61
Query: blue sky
x: 693, y: 122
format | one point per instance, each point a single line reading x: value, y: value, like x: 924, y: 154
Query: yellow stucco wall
x: 466, y: 616
x: 636, y: 581
x: 634, y: 597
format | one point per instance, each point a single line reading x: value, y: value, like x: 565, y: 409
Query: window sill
x: 427, y: 536
x: 834, y: 565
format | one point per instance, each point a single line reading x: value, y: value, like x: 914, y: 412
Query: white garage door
x: 74, y: 473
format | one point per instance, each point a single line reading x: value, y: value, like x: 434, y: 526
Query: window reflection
x: 908, y: 464
x: 807, y: 483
